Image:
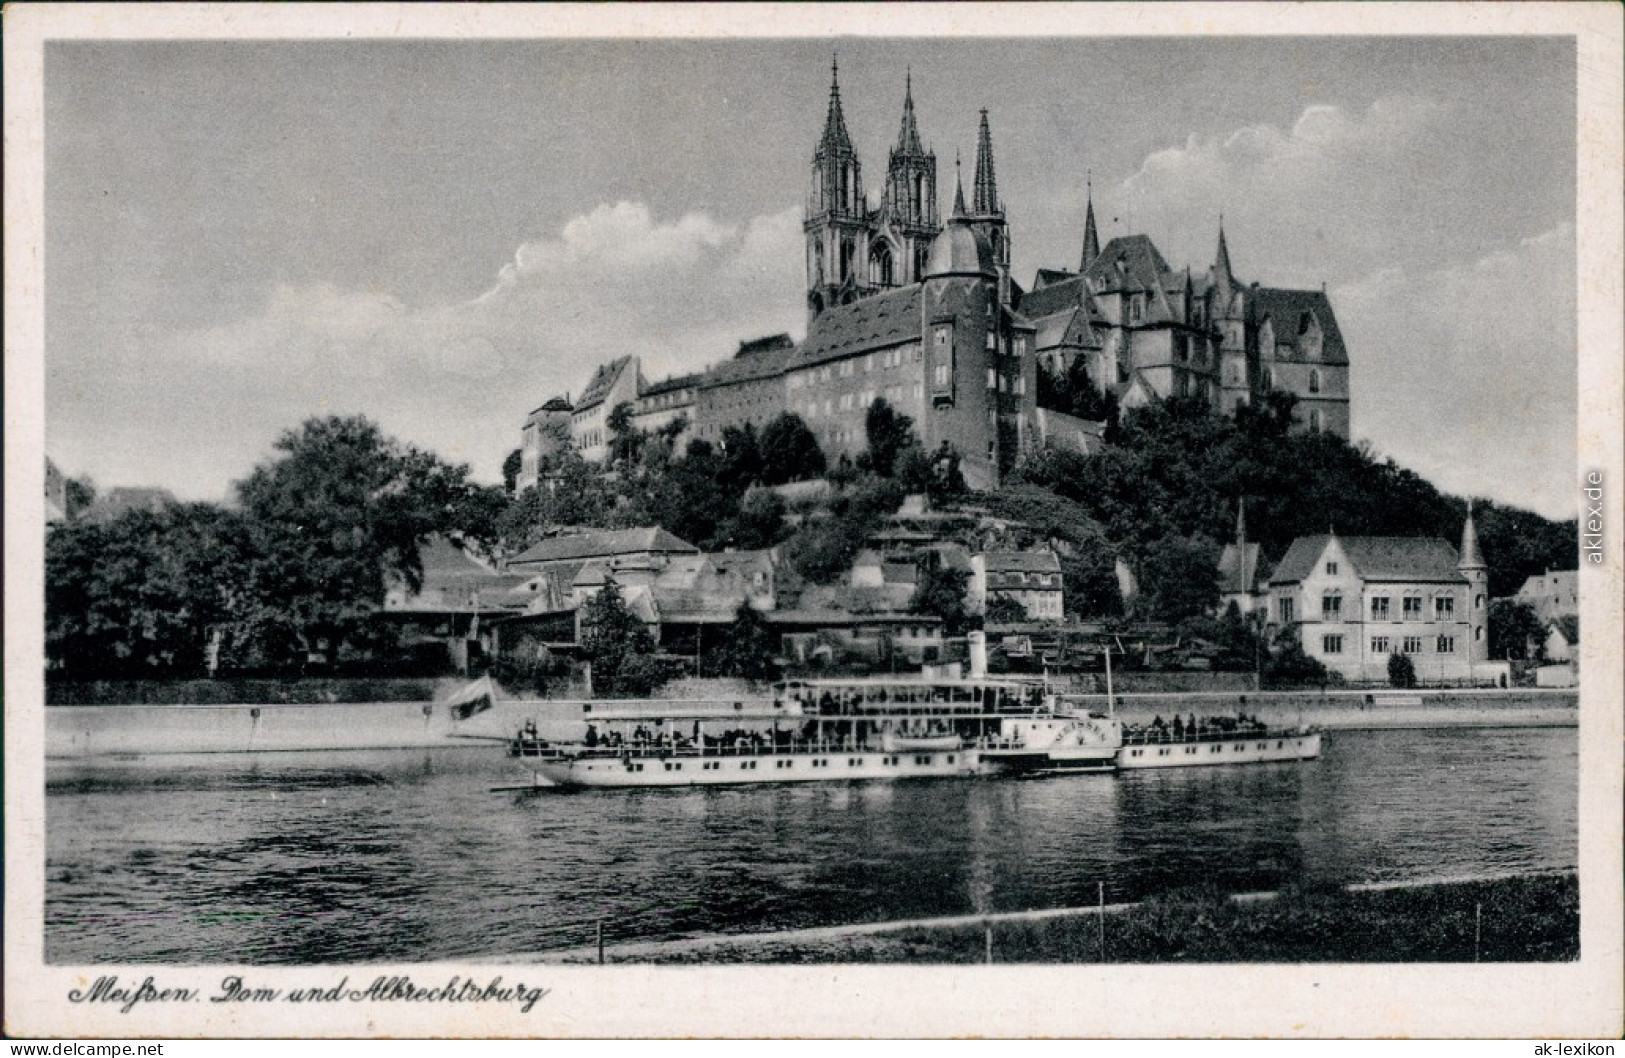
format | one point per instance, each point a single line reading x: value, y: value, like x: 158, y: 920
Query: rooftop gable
x: 604, y: 545
x: 1374, y: 558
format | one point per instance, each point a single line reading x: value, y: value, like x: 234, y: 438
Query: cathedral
x: 922, y: 311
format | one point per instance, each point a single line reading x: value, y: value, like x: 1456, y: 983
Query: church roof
x: 1288, y: 308
x: 1374, y: 558
x: 875, y: 322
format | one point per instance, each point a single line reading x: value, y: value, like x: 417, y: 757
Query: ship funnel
x: 978, y: 654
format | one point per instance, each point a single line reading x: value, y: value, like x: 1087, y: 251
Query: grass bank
x: 1522, y: 919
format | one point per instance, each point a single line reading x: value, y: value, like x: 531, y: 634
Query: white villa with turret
x: 1358, y: 600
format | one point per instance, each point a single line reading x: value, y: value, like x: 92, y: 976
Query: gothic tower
x: 986, y: 213
x: 908, y: 211
x: 1091, y: 238
x: 1471, y: 565
x: 837, y: 217
x: 1228, y: 322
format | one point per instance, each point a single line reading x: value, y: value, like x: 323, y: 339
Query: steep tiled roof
x: 1068, y: 327
x: 869, y: 323
x: 554, y: 404
x: 1054, y: 297
x: 1129, y: 262
x: 766, y: 364
x: 1374, y: 558
x: 770, y: 344
x: 603, y: 545
x: 1288, y: 307
x: 671, y: 385
x: 1046, y: 276
x: 1021, y: 562
x: 602, y: 379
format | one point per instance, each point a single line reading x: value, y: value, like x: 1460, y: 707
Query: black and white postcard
x: 813, y: 521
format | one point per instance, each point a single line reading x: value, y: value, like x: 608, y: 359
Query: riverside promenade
x: 91, y: 731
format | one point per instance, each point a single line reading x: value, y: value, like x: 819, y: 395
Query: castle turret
x: 1471, y: 566
x: 986, y: 211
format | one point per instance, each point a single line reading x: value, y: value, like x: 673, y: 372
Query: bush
x: 1401, y: 671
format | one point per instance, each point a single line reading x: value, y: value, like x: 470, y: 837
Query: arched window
x: 917, y: 195
x: 998, y: 245
x: 818, y: 263
x: 847, y: 250
x: 880, y: 265
x: 1268, y: 378
x: 1314, y: 380
x: 922, y: 258
x: 1317, y: 422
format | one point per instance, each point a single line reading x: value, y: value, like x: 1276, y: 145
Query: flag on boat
x: 476, y: 698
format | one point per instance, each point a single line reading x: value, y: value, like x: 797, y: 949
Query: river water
x: 300, y: 858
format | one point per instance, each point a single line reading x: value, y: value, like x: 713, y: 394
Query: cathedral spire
x: 1471, y: 556
x: 985, y: 198
x: 908, y: 137
x: 835, y: 136
x: 959, y: 189
x: 1091, y: 238
x: 1221, y: 259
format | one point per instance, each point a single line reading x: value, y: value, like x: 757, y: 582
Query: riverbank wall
x: 87, y: 731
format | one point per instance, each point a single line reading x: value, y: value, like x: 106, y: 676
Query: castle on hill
x: 921, y: 310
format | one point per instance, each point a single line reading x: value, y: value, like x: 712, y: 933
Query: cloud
x: 1328, y: 192
x: 457, y: 378
x: 1468, y: 373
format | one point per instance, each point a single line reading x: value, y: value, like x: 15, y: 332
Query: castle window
x: 1314, y: 380
x: 1135, y: 306
x: 992, y: 378
x: 940, y: 379
x: 1021, y: 345
x: 1317, y: 421
x: 1268, y: 379
x: 1478, y: 602
x: 1021, y: 385
x: 880, y: 266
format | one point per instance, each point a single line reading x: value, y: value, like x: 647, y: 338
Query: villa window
x: 1331, y: 569
x: 1286, y: 611
x: 1411, y: 645
x: 1412, y: 607
x: 1379, y: 608
x: 1379, y: 644
x: 1444, y: 607
x: 1447, y: 645
x: 1331, y: 607
x: 1331, y: 644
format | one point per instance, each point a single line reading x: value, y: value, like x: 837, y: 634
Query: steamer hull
x: 1262, y: 748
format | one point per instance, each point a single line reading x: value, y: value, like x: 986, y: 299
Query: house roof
x: 1067, y: 327
x: 1568, y: 625
x: 1288, y: 309
x: 1374, y: 558
x: 455, y: 580
x: 1020, y: 561
x: 1129, y: 262
x: 1046, y: 276
x: 744, y: 563
x: 875, y: 322
x: 603, y: 545
x: 598, y: 386
x: 1552, y: 582
x: 766, y: 363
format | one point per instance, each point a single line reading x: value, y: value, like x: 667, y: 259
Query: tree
x: 941, y: 591
x: 790, y: 452
x: 1289, y: 666
x: 1401, y: 671
x: 1179, y: 578
x: 625, y: 441
x: 79, y: 495
x: 741, y: 459
x: 747, y: 651
x: 888, y: 433
x: 759, y: 523
x: 141, y: 594
x: 1002, y: 609
x: 1516, y: 633
x: 335, y: 517
x: 511, y: 466
x: 614, y: 640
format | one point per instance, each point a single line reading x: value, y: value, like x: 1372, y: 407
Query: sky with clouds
x: 442, y: 235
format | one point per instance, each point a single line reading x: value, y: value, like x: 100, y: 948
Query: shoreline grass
x: 1533, y: 918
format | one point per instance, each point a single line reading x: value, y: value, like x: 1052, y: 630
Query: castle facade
x: 922, y: 311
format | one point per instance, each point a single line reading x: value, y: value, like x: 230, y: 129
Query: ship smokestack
x: 978, y: 654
